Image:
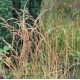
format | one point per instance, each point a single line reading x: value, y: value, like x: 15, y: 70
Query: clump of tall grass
x: 56, y: 53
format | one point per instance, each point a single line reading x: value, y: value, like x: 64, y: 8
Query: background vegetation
x: 56, y: 53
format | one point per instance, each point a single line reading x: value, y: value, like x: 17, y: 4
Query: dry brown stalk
x: 25, y: 38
